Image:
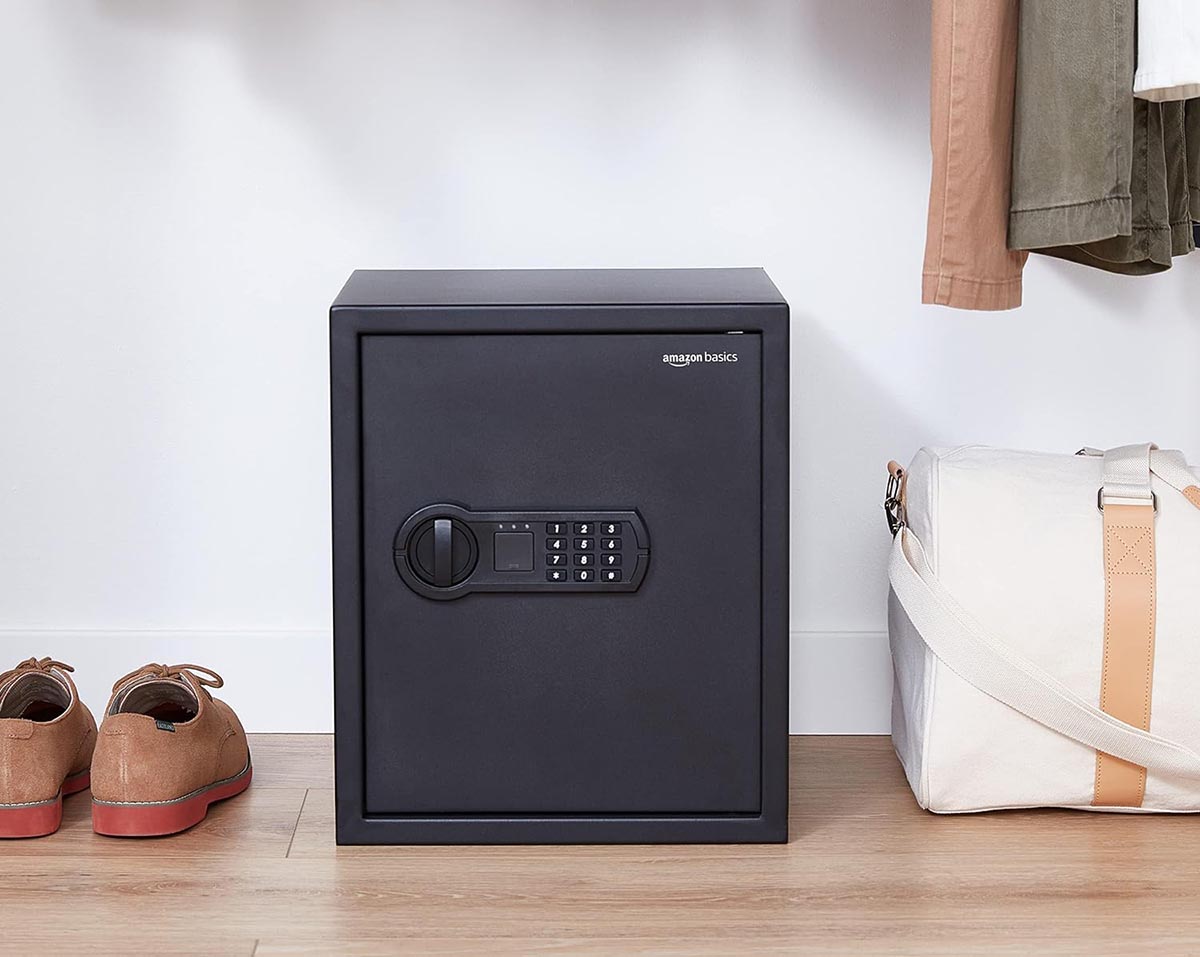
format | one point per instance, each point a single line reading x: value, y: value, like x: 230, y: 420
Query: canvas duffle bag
x: 1044, y: 619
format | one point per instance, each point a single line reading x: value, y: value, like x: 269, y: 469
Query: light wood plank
x: 519, y: 947
x: 110, y: 942
x: 866, y: 871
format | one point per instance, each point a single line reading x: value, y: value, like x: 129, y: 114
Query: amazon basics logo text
x: 682, y: 361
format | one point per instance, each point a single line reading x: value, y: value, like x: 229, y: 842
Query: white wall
x: 185, y: 186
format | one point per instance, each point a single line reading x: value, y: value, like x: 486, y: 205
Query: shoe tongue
x: 29, y: 687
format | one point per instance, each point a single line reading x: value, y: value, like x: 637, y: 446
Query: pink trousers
x: 967, y: 261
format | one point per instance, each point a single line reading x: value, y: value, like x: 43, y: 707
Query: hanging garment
x: 1192, y: 124
x: 1073, y: 123
x: 1162, y: 213
x: 1168, y: 45
x: 968, y: 264
x: 1098, y: 177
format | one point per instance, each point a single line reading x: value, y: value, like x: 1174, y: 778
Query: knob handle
x: 440, y: 551
x: 443, y: 552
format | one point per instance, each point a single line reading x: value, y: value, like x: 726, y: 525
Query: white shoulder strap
x: 1168, y: 464
x: 1127, y: 475
x: 1172, y: 468
x: 978, y: 657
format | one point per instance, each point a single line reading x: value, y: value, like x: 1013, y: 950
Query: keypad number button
x: 610, y: 544
x: 584, y: 544
x: 558, y: 559
x: 611, y: 560
x: 585, y: 560
x: 610, y: 528
x: 584, y: 575
x: 556, y: 544
x: 556, y: 528
x: 585, y: 528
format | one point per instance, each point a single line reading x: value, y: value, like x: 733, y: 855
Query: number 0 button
x: 610, y: 544
x: 584, y: 575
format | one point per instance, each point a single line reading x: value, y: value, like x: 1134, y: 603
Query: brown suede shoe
x: 46, y: 741
x: 167, y: 750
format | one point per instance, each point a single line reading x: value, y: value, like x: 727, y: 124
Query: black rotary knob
x: 442, y: 552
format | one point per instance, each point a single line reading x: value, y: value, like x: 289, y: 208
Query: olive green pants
x: 1098, y: 177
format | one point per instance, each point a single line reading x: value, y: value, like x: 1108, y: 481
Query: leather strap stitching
x: 1128, y: 662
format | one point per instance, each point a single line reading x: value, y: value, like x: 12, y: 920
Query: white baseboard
x: 282, y: 681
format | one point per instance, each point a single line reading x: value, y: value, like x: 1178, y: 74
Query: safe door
x: 503, y: 672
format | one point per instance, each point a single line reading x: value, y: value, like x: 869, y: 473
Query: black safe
x: 560, y: 556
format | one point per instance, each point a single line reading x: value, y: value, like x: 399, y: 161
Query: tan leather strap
x: 1129, y: 613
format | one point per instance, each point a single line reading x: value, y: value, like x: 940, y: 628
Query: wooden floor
x: 866, y: 872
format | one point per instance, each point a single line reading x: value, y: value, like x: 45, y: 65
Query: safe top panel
x: 557, y: 287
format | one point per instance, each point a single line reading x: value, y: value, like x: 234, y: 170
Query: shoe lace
x: 203, y: 676
x: 30, y: 665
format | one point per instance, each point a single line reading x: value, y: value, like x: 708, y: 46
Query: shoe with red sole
x: 167, y: 750
x: 46, y: 741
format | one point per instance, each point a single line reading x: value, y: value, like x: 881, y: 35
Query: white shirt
x: 1168, y: 50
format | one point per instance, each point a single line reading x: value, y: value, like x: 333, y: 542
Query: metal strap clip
x: 893, y: 506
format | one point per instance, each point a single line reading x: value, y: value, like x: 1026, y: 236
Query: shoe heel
x: 169, y: 817
x: 43, y: 818
x: 32, y: 820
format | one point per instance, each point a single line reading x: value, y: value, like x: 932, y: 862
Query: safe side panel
x: 574, y: 703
